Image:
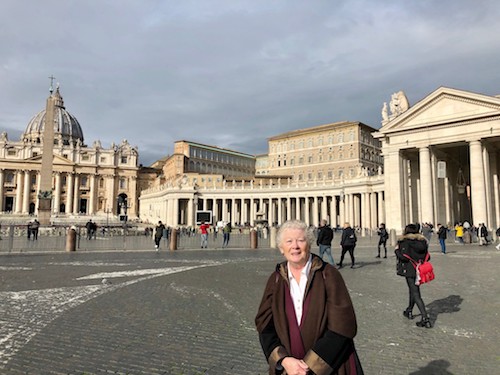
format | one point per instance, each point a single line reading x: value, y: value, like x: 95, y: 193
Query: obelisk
x: 45, y: 192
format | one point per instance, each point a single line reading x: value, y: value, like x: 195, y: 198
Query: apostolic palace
x: 436, y: 161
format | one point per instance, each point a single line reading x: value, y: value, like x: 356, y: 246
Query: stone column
x: 175, y: 212
x: 381, y: 208
x: 233, y: 211
x: 478, y: 191
x: 307, y: 212
x: 2, y: 178
x: 26, y: 192
x: 76, y: 194
x: 297, y: 208
x: 496, y: 188
x: 333, y: 211
x: 487, y: 184
x: 69, y: 193
x: 280, y: 212
x: 92, y: 203
x: 447, y: 203
x: 191, y: 220
x: 324, y: 212
x: 288, y: 209
x: 57, y: 192
x: 19, y: 192
x: 315, y: 221
x: 427, y: 199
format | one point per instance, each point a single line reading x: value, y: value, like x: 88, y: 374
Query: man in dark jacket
x: 383, y: 236
x: 324, y: 241
x: 442, y: 234
x: 348, y: 243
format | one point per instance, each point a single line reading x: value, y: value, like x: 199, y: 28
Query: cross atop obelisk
x: 45, y: 192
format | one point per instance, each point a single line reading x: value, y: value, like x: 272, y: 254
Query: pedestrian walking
x: 482, y: 233
x: 306, y: 321
x: 35, y: 225
x: 226, y: 234
x: 442, y: 234
x: 415, y: 246
x: 382, y: 241
x: 348, y: 244
x: 324, y: 241
x: 204, y: 234
x: 158, y: 234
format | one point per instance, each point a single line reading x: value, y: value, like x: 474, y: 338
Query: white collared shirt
x: 298, y: 289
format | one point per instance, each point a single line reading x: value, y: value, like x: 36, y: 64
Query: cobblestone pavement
x: 192, y: 311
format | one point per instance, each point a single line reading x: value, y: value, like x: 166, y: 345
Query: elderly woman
x: 306, y: 320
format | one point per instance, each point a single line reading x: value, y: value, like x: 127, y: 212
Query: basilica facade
x: 86, y: 180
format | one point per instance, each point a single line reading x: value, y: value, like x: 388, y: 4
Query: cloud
x: 231, y: 73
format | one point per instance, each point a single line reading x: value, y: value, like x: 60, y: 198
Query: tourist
x: 158, y: 234
x: 306, y: 330
x: 35, y: 225
x: 324, y: 241
x: 204, y: 234
x: 442, y: 234
x: 382, y: 241
x: 226, y: 233
x: 459, y: 233
x: 348, y: 244
x: 415, y: 246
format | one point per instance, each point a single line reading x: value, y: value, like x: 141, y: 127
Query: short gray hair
x: 295, y: 224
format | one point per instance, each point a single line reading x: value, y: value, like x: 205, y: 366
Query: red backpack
x: 424, y: 269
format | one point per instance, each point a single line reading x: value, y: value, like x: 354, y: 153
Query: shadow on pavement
x: 437, y: 367
x: 447, y: 305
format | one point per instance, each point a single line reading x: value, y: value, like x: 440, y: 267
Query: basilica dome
x: 66, y: 126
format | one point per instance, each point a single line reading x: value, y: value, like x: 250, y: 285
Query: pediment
x: 56, y: 160
x: 444, y: 106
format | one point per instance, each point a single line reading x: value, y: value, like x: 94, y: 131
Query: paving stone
x: 192, y: 311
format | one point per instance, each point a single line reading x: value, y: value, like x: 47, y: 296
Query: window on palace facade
x: 12, y: 152
x: 341, y: 137
x: 9, y: 178
x: 341, y: 173
x: 351, y: 135
x: 101, y: 182
x: 351, y: 172
x: 309, y: 143
x: 351, y: 154
x: 123, y: 160
x: 320, y: 141
x: 123, y: 183
x: 83, y: 181
x: 33, y: 180
x: 309, y: 176
x: 301, y: 160
x: 330, y: 139
x: 103, y: 159
x: 309, y: 159
x: 85, y: 157
x: 301, y: 176
x: 330, y: 175
x: 292, y: 146
x: 292, y: 161
x: 341, y: 155
x: 320, y: 175
x: 301, y: 144
x: 330, y: 157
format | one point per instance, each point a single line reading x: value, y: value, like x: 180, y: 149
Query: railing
x: 14, y: 239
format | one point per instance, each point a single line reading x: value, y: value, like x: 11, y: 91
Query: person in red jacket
x: 204, y: 234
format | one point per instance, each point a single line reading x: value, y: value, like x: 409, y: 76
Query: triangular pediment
x: 444, y: 106
x: 56, y: 160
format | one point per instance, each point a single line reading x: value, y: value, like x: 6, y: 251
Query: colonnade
x: 467, y: 188
x: 19, y: 194
x: 363, y: 209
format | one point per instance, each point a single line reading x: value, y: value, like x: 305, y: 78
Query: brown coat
x: 328, y: 328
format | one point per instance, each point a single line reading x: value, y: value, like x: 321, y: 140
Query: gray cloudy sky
x: 233, y: 73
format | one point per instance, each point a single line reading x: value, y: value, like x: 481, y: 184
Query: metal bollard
x: 71, y: 239
x: 173, y: 239
x: 253, y: 239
